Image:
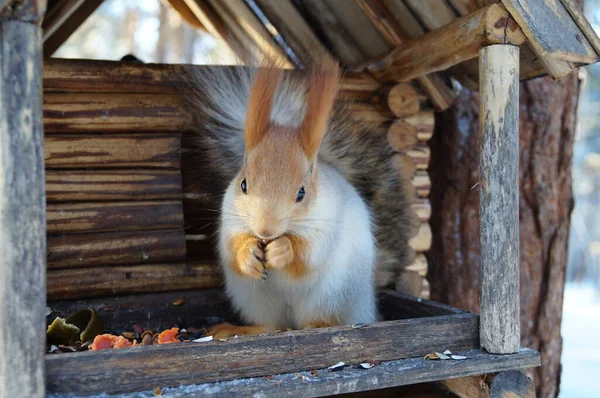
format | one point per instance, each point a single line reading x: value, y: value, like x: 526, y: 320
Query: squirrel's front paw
x: 279, y: 253
x: 250, y: 260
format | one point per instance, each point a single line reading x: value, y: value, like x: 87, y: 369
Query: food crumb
x: 157, y: 391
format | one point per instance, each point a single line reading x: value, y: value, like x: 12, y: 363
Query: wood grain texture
x: 582, y: 23
x: 541, y: 20
x: 66, y: 218
x: 94, y: 185
x: 22, y: 208
x: 30, y: 11
x: 112, y: 151
x: 499, y: 199
x: 114, y: 248
x: 400, y: 100
x: 112, y: 370
x: 440, y: 48
x: 75, y: 283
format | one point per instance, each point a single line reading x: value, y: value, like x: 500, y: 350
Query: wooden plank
x: 111, y: 151
x: 512, y: 383
x: 112, y: 371
x: 582, y: 23
x: 499, y: 198
x: 66, y: 218
x: 78, y: 112
x: 68, y: 26
x: 352, y: 380
x: 94, y: 185
x: 187, y: 13
x: 399, y: 100
x: 22, y: 210
x: 107, y: 248
x: 118, y: 280
x: 290, y: 24
x: 56, y: 16
x: 447, y: 46
x: 405, y: 18
x: 31, y: 11
x: 432, y: 13
x: 541, y: 20
x: 94, y: 76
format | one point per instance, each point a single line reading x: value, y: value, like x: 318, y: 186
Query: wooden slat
x: 398, y: 100
x: 66, y: 218
x: 94, y: 185
x: 63, y: 30
x: 449, y: 45
x: 113, y: 371
x: 541, y: 21
x: 120, y: 280
x: 422, y: 184
x: 432, y: 13
x: 293, y: 28
x: 110, y: 151
x: 22, y: 215
x: 499, y: 199
x: 405, y: 18
x: 187, y: 13
x: 93, y: 76
x: 107, y: 248
x: 422, y: 208
x: 78, y: 112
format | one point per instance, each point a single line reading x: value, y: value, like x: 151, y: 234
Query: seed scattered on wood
x: 48, y: 311
x: 442, y: 356
x: 267, y: 378
x: 180, y: 301
x: 128, y: 335
x: 337, y: 366
x: 53, y: 348
x: 366, y: 365
x: 314, y: 373
x: 447, y: 352
x: 432, y: 355
x: 223, y: 340
x: 203, y: 339
x: 359, y: 325
x: 457, y: 357
x: 147, y: 339
x: 157, y: 391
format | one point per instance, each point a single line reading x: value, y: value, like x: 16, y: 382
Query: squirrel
x: 314, y: 217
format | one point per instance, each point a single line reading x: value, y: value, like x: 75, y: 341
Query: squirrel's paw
x: 279, y: 253
x: 225, y: 330
x: 250, y: 260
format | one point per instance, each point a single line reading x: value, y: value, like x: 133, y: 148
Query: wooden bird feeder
x: 97, y: 209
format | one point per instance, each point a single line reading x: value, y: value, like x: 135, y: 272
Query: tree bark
x: 547, y: 128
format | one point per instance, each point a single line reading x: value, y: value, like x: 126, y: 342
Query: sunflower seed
x: 457, y: 357
x: 366, y: 365
x: 447, y: 352
x: 203, y: 339
x: 337, y: 366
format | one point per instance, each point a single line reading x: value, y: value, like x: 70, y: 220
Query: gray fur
x: 217, y: 97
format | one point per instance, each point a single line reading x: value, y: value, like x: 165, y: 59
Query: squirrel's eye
x: 244, y: 187
x: 300, y: 195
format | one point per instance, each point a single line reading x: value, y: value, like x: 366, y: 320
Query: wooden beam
x: 63, y: 28
x: 499, y: 198
x: 22, y: 203
x: 388, y: 26
x: 57, y: 16
x: 584, y: 25
x: 187, y: 13
x: 447, y: 46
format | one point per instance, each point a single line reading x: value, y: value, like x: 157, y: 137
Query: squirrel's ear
x: 324, y: 85
x: 260, y: 104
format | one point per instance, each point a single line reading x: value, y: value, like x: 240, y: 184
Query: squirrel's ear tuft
x: 322, y: 91
x: 260, y: 103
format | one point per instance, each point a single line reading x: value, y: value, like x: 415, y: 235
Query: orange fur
x: 324, y: 85
x: 224, y: 330
x: 260, y: 104
x: 297, y: 269
x: 321, y: 323
x: 246, y: 248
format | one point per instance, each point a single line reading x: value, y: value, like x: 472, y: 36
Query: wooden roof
x: 397, y: 40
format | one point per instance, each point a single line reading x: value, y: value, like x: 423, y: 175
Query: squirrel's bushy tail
x: 217, y: 100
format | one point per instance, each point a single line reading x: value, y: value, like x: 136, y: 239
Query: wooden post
x: 499, y: 198
x: 22, y: 202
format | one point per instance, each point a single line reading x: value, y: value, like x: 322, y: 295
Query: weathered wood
x: 112, y: 370
x: 69, y: 25
x: 293, y: 28
x: 93, y: 76
x: 512, y: 383
x: 583, y: 24
x: 78, y: 112
x: 422, y: 241
x: 130, y: 150
x: 31, y: 11
x: 57, y: 15
x: 64, y: 218
x: 440, y: 48
x: 184, y: 8
x: 422, y: 183
x: 348, y: 380
x: 393, y: 32
x: 405, y: 18
x: 107, y: 248
x: 499, y: 198
x: 541, y: 21
x: 423, y: 121
x: 400, y: 100
x: 468, y: 387
x: 432, y: 13
x: 22, y: 205
x: 119, y: 280
x: 422, y: 208
x: 94, y: 185
x: 402, y: 136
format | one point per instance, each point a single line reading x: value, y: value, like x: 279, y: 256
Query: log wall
x: 124, y: 216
